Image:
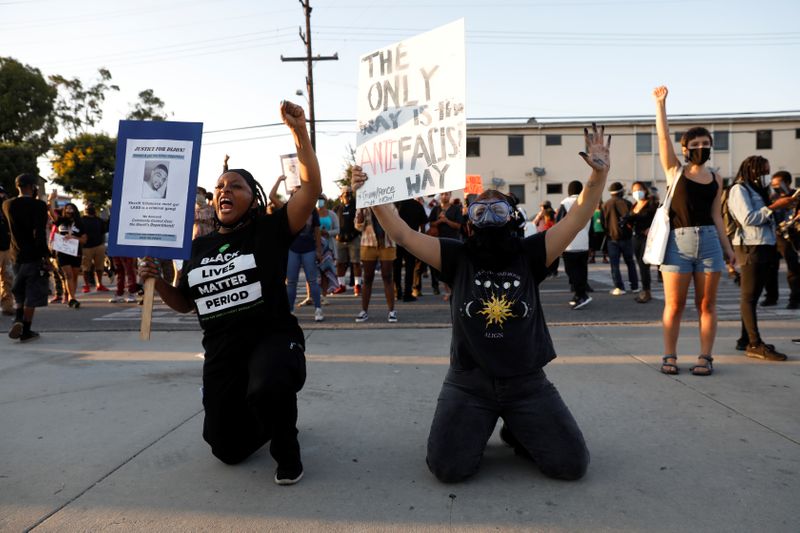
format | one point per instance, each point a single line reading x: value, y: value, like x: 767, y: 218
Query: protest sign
x: 290, y: 166
x: 155, y: 182
x: 155, y: 185
x: 474, y: 184
x: 411, y: 122
x: 65, y: 245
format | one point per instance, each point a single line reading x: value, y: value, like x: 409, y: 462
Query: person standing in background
x: 640, y: 218
x: 6, y: 277
x: 94, y: 252
x: 619, y: 238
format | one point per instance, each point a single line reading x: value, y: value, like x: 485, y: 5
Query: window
x: 555, y: 188
x: 515, y: 145
x: 552, y: 140
x: 473, y: 146
x: 764, y: 140
x: 518, y: 191
x: 721, y: 141
x: 644, y: 143
x: 797, y: 133
x: 678, y: 135
x: 797, y: 182
x: 726, y: 182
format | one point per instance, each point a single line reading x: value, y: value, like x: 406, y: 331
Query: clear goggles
x: 485, y: 213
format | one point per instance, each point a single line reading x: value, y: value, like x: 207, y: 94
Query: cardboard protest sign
x: 155, y: 181
x: 411, y: 118
x: 290, y: 166
x: 474, y: 184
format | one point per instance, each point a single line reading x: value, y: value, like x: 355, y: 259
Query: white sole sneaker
x: 288, y: 481
x: 583, y: 303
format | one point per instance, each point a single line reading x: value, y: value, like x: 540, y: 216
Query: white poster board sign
x: 411, y: 138
x: 154, y: 191
x: 290, y: 165
x: 65, y: 245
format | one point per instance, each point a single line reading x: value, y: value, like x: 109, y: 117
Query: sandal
x: 670, y: 369
x: 705, y: 369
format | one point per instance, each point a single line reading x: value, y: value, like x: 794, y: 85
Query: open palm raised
x: 598, y: 153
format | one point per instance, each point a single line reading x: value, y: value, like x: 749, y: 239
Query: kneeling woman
x: 254, y: 348
x: 500, y: 341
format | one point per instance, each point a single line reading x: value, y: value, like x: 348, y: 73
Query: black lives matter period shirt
x: 237, y: 283
x: 498, y: 322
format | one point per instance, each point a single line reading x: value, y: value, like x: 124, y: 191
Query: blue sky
x: 218, y: 62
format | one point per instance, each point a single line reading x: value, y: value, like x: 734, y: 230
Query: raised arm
x: 305, y: 199
x: 559, y: 236
x: 273, y: 193
x: 666, y: 152
x: 422, y: 246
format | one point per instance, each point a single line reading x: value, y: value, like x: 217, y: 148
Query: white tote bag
x: 658, y: 234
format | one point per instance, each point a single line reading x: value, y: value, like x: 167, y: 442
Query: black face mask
x: 493, y: 247
x: 698, y: 156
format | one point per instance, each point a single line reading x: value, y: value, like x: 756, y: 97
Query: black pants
x: 789, y: 254
x: 755, y: 263
x: 251, y: 398
x: 639, y: 243
x: 419, y: 270
x: 404, y: 284
x: 467, y: 411
x: 576, y: 264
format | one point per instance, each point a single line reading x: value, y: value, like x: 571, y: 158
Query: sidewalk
x: 102, y: 432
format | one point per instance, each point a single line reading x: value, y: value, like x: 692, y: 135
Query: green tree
x: 26, y: 106
x: 14, y: 160
x: 79, y: 108
x: 84, y: 165
x: 149, y: 107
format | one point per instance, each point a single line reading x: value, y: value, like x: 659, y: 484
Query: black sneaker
x: 768, y: 303
x: 16, y: 330
x: 29, y: 336
x: 289, y: 475
x: 796, y: 341
x: 573, y: 301
x: 582, y: 302
x: 764, y: 351
x: 507, y: 437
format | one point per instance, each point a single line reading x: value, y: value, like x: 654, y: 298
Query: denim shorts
x: 693, y: 249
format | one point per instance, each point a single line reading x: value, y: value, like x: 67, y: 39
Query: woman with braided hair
x: 754, y: 243
x: 254, y: 348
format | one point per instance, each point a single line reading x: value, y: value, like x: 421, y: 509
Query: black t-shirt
x: 692, y: 202
x: 498, y: 321
x: 453, y: 214
x: 67, y: 226
x: 237, y: 283
x: 347, y: 221
x: 95, y: 228
x: 5, y: 236
x: 27, y: 220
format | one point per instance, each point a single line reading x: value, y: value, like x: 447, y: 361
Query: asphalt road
x: 97, y: 314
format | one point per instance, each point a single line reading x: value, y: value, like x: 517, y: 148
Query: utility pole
x: 309, y: 59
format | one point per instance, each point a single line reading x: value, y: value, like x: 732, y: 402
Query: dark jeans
x: 467, y: 411
x: 792, y: 272
x: 639, y: 243
x: 576, y: 264
x: 755, y: 263
x: 251, y: 398
x: 624, y: 248
x: 404, y: 285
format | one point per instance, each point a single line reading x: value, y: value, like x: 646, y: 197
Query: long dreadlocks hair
x: 750, y: 172
x: 259, y: 206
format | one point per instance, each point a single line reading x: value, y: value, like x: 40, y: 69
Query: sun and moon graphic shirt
x: 237, y: 282
x: 498, y: 322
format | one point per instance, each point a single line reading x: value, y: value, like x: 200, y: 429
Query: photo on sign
x: 154, y: 181
x: 290, y: 166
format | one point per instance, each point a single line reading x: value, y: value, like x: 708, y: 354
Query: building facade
x: 536, y: 160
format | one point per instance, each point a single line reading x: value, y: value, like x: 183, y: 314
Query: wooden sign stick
x: 147, y: 308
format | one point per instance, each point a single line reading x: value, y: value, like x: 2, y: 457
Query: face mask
x: 766, y: 179
x: 320, y: 203
x: 698, y: 156
x: 638, y: 195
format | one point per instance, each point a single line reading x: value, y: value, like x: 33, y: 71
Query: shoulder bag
x: 658, y: 235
